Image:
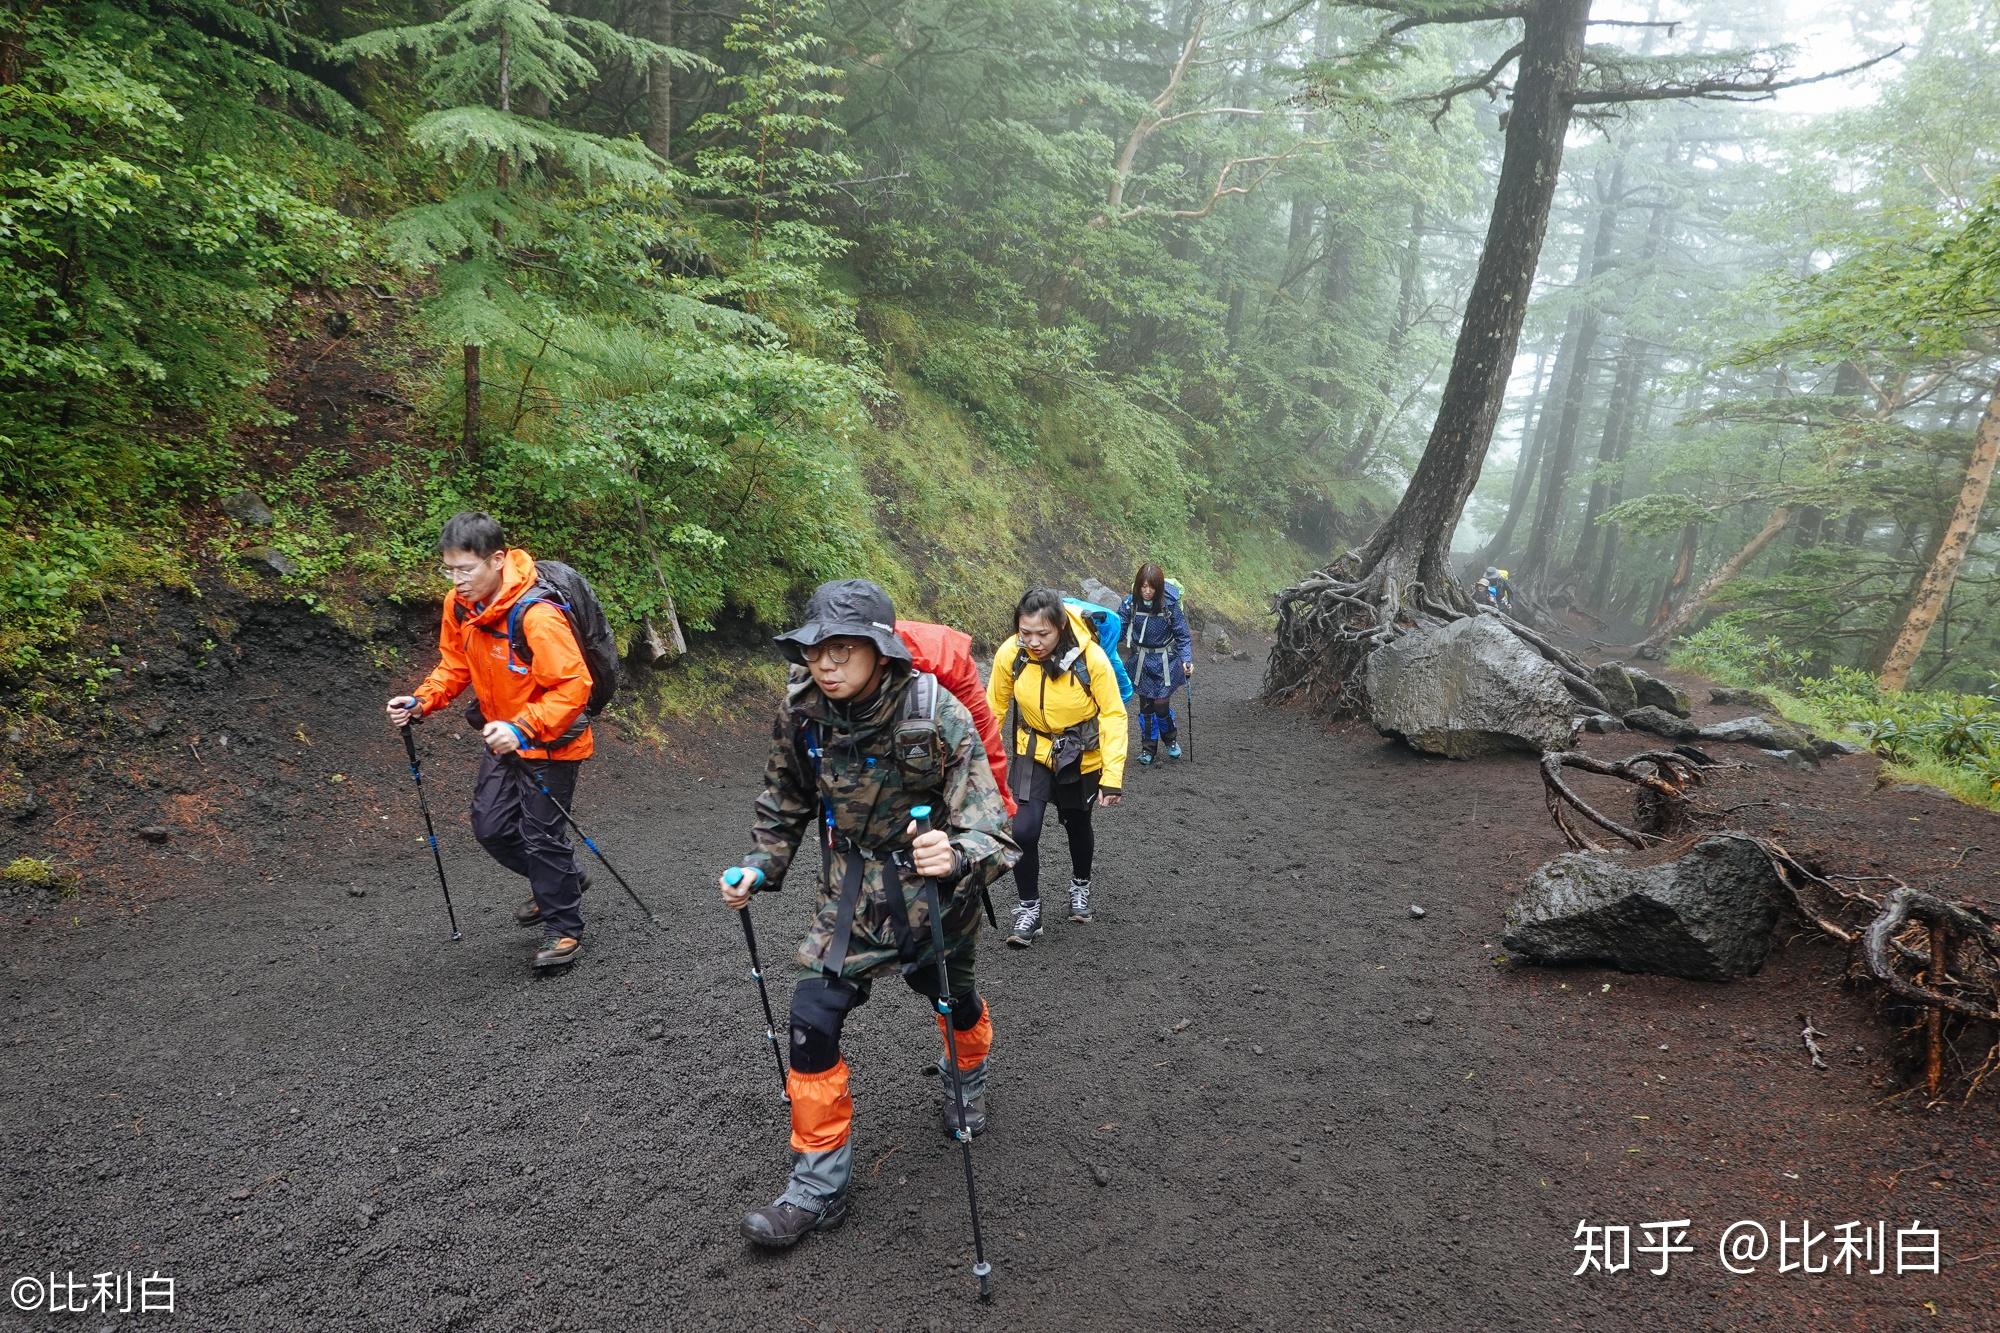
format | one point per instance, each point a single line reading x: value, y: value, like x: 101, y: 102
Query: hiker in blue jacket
x: 1161, y: 654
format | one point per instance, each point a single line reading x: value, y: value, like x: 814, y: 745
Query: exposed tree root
x: 1330, y: 621
x: 1662, y: 776
x: 1903, y: 941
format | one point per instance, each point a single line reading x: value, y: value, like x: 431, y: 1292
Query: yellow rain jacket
x: 1051, y: 701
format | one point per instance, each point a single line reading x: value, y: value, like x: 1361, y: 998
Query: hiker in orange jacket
x: 532, y: 709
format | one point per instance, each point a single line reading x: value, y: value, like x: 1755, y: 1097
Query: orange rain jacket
x: 539, y: 699
x: 947, y: 654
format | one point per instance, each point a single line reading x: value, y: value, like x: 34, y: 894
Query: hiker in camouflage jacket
x: 861, y: 740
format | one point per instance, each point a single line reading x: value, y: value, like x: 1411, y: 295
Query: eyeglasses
x: 836, y: 653
x: 460, y: 573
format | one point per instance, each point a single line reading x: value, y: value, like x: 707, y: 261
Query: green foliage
x: 146, y: 241
x: 1946, y: 739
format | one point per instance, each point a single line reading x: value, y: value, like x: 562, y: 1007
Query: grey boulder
x: 1661, y: 722
x: 1466, y: 688
x: 1732, y: 697
x: 1763, y: 732
x: 1707, y: 916
x: 1656, y: 693
x: 1615, y: 684
x: 269, y: 558
x: 1100, y: 593
x: 246, y: 506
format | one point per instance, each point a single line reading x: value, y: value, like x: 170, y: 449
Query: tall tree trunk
x: 470, y: 440
x: 1618, y: 421
x: 1535, y: 426
x: 1954, y: 541
x: 1408, y: 275
x: 1540, y: 558
x: 660, y: 84
x: 1684, y: 615
x: 1677, y: 578
x: 1414, y: 544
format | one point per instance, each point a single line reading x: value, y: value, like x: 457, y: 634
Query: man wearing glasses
x: 863, y: 740
x: 533, y: 709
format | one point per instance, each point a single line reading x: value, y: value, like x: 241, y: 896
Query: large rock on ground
x: 1468, y: 688
x: 1763, y: 732
x: 1707, y: 916
x: 1101, y: 593
x: 1615, y: 684
x: 1656, y: 693
x: 1732, y: 697
x: 1660, y: 722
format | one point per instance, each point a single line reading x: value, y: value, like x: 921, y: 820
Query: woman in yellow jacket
x: 1066, y: 735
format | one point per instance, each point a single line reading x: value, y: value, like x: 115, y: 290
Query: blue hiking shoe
x: 1146, y: 759
x: 1174, y: 750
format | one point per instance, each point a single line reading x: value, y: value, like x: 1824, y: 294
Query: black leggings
x: 1074, y: 804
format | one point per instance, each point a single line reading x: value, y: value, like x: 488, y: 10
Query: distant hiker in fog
x: 505, y: 637
x: 862, y: 740
x: 1161, y: 652
x: 1066, y: 741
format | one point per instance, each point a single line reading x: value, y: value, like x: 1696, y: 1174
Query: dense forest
x: 717, y: 301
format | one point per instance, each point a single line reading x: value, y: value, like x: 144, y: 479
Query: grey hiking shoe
x: 1027, y: 923
x: 558, y: 950
x: 781, y: 1224
x: 1079, y: 901
x: 974, y: 1082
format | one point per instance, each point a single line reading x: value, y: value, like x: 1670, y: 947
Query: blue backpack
x: 1108, y: 627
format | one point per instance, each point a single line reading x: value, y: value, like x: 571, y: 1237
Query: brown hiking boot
x: 557, y: 950
x: 781, y: 1225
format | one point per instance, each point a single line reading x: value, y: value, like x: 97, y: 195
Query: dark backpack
x: 572, y: 594
x: 569, y: 592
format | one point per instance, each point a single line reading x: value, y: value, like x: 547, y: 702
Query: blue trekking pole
x: 430, y: 830
x: 734, y: 876
x: 980, y: 1268
x: 521, y: 765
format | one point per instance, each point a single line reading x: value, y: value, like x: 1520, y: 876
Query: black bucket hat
x: 854, y: 608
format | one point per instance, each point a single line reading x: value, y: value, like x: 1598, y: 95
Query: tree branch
x: 1718, y: 89
x: 1444, y: 96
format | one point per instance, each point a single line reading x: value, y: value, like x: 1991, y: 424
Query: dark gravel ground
x: 1257, y: 1092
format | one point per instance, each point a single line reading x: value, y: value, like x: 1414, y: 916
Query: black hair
x: 1149, y: 573
x: 1048, y: 602
x: 472, y: 531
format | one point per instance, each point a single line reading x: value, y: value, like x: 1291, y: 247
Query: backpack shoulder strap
x: 1020, y: 662
x: 920, y: 700
x: 541, y: 590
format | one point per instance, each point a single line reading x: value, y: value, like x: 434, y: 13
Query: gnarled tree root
x: 1662, y: 775
x: 1330, y: 621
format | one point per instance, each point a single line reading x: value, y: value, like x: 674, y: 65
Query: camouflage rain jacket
x: 847, y: 776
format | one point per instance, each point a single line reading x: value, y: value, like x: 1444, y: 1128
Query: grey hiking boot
x: 1027, y: 923
x: 781, y: 1224
x: 974, y: 1083
x: 558, y: 950
x: 1079, y: 901
x: 529, y: 913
